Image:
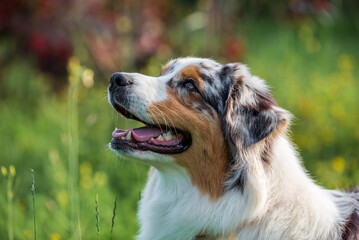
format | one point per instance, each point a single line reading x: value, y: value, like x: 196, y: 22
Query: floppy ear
x: 251, y: 113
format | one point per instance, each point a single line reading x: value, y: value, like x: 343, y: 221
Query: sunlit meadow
x: 62, y: 134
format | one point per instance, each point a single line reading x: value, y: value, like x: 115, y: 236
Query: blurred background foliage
x: 56, y: 58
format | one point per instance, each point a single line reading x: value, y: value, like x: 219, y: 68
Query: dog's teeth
x: 168, y: 136
x: 128, y: 136
x: 123, y: 138
x: 160, y: 138
x: 152, y: 139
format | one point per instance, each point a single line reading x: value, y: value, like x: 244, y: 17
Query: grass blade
x: 10, y: 195
x: 33, y: 199
x: 97, y: 217
x: 113, y: 216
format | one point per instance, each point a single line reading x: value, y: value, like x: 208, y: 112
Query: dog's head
x: 199, y: 115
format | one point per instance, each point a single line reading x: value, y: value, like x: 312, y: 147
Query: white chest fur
x: 172, y: 208
x: 293, y: 208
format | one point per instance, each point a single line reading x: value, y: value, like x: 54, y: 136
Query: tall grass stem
x: 75, y: 71
x: 79, y: 222
x: 97, y: 218
x: 10, y: 194
x: 33, y: 199
x: 113, y: 216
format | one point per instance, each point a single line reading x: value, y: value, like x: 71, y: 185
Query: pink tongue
x: 141, y: 134
x: 120, y: 133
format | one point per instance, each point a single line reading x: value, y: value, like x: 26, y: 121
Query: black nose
x: 121, y: 80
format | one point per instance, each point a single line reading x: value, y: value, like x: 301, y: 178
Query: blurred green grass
x: 312, y: 71
x: 34, y: 135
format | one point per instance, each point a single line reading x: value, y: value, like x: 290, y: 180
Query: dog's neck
x: 280, y: 202
x: 294, y: 204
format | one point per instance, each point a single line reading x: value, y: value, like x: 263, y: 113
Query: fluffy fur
x: 242, y: 176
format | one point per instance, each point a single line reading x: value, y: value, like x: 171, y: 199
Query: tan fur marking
x: 206, y: 159
x: 281, y: 129
x: 193, y: 73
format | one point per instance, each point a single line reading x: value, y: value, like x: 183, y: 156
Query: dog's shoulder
x: 351, y: 231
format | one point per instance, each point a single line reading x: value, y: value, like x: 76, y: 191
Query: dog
x: 222, y: 162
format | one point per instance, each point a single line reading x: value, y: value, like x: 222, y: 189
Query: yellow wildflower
x: 55, y: 236
x: 3, y: 170
x: 338, y: 164
x: 12, y: 170
x: 74, y: 69
x: 87, y: 78
x: 85, y: 168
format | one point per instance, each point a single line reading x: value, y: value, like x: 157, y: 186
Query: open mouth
x: 157, y: 138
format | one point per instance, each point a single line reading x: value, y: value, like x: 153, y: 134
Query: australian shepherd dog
x: 222, y: 163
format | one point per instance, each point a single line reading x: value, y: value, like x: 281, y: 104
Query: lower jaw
x: 119, y: 144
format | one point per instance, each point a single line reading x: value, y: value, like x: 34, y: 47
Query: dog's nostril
x: 120, y: 79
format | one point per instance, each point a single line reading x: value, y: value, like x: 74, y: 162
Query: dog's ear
x: 251, y: 114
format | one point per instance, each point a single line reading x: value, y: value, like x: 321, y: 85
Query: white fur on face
x: 145, y: 91
x: 148, y: 90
